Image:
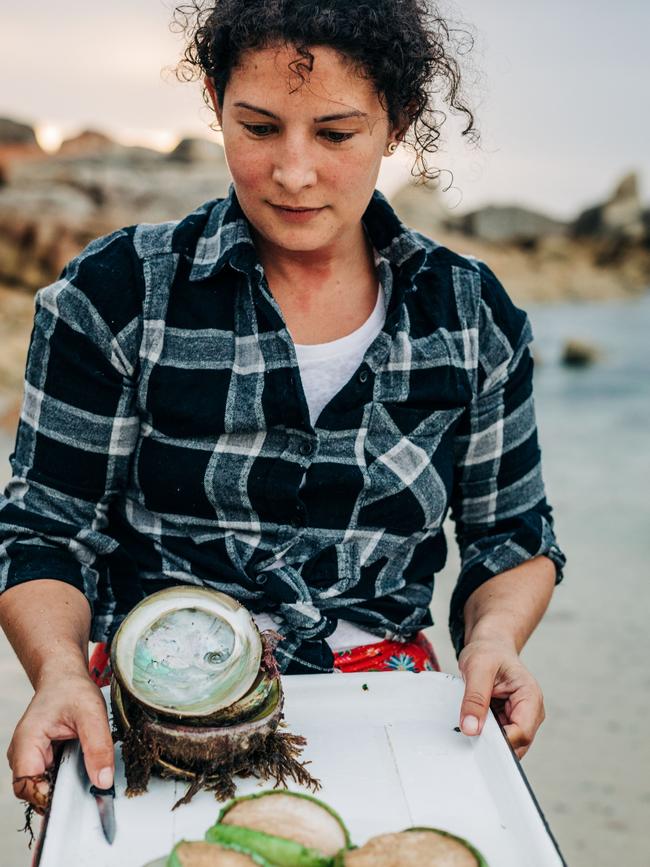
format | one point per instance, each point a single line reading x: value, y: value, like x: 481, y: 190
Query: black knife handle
x: 101, y: 792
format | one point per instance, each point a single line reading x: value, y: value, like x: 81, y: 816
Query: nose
x: 294, y: 167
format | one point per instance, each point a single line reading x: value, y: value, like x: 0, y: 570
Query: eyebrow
x: 322, y: 119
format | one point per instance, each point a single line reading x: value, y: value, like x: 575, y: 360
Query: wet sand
x: 589, y: 765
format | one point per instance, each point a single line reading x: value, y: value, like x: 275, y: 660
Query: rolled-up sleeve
x: 78, y: 423
x: 499, y: 506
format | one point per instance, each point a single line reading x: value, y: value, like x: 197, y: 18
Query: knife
x: 105, y: 799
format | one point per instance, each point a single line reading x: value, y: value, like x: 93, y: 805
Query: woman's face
x: 292, y: 146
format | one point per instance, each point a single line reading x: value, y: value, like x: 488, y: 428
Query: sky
x: 559, y: 90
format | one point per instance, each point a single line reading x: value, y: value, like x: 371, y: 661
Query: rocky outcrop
x: 16, y: 318
x: 12, y: 132
x: 17, y: 142
x: 197, y: 150
x: 618, y: 231
x: 41, y: 230
x: 420, y: 205
x: 509, y: 224
x: 542, y: 259
x: 49, y: 210
x: 93, y: 147
x: 88, y: 143
x: 621, y: 216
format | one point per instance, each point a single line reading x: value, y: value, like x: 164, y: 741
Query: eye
x: 336, y: 137
x: 261, y: 130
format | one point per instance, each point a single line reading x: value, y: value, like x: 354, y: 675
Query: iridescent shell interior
x: 177, y: 657
x: 189, y: 650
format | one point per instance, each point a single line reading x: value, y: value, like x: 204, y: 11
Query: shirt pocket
x: 409, y: 452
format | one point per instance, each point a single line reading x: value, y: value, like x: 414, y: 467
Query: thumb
x: 479, y: 683
x: 96, y: 743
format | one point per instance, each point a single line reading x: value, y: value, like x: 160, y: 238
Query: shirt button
x: 306, y: 449
x: 363, y: 376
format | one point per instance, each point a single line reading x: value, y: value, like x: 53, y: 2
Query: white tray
x: 388, y: 758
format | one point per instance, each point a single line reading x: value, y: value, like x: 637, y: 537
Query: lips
x: 293, y: 208
x: 294, y: 215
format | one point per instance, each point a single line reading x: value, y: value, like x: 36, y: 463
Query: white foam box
x: 385, y: 749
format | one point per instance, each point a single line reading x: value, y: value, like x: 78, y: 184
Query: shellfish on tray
x: 196, y: 695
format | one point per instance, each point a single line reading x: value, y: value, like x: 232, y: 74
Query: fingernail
x: 105, y: 778
x: 43, y: 789
x: 41, y: 796
x: 470, y: 725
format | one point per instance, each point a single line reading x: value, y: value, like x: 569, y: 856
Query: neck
x: 313, y: 271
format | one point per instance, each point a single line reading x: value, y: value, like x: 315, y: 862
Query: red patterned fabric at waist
x: 414, y: 655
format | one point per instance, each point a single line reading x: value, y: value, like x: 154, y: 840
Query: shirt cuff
x: 34, y: 562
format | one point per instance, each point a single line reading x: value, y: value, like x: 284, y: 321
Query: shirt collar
x: 226, y: 239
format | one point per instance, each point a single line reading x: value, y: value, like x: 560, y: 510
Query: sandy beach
x: 589, y: 764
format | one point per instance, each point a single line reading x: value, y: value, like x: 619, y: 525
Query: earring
x: 392, y: 147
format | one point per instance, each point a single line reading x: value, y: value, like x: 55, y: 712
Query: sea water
x: 594, y: 425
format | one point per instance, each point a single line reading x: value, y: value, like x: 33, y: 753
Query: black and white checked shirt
x: 164, y: 437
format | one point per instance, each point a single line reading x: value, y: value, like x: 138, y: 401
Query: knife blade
x: 105, y: 799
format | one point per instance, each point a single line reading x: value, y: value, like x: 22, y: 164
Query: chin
x: 298, y: 240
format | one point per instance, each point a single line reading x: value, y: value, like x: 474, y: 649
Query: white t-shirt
x: 324, y: 370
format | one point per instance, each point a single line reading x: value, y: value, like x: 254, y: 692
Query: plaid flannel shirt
x: 164, y: 437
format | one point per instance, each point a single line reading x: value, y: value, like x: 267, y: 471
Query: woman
x: 281, y: 396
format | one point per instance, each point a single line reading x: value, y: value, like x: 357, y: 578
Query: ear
x: 212, y: 92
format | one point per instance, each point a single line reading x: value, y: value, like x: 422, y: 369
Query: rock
x: 93, y: 146
x: 41, y: 230
x: 589, y: 223
x: 510, y: 223
x: 579, y: 353
x: 14, y: 133
x: 621, y: 216
x: 645, y: 217
x: 17, y: 142
x: 16, y: 318
x: 87, y: 143
x: 49, y: 210
x: 617, y: 233
x: 197, y: 150
x: 554, y: 248
x: 623, y: 213
x: 420, y: 207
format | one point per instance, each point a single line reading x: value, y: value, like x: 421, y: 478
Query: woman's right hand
x: 64, y: 706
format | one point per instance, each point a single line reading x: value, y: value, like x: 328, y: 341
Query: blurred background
x: 95, y: 133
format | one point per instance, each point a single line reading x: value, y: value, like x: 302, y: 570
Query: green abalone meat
x: 279, y: 851
x: 296, y: 816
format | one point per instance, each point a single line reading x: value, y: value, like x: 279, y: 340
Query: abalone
x: 187, y: 651
x: 196, y: 695
x: 414, y: 847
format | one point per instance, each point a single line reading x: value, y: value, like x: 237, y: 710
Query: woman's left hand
x: 494, y: 674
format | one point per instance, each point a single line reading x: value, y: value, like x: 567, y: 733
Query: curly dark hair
x: 405, y: 47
